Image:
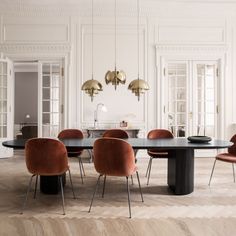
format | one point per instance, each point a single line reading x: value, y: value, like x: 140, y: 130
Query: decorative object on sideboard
x: 138, y: 86
x: 115, y: 77
x: 102, y: 108
x: 92, y: 86
x: 124, y: 124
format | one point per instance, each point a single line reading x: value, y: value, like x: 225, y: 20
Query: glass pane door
x: 6, y: 118
x: 3, y: 99
x: 177, y: 98
x: 51, y: 99
x: 206, y: 99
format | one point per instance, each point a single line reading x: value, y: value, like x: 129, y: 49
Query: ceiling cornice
x: 101, y: 7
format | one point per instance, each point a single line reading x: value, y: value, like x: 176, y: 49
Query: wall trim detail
x: 32, y: 48
x: 192, y: 48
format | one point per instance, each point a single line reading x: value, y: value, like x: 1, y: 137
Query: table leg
x: 51, y: 184
x: 181, y: 171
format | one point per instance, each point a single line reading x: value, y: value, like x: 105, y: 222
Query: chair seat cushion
x: 158, y: 154
x: 227, y: 157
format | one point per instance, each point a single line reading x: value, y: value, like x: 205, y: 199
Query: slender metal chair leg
x: 71, y: 183
x: 62, y: 195
x: 233, y: 171
x: 82, y: 165
x: 132, y: 181
x: 104, y: 184
x: 35, y: 188
x: 94, y: 192
x: 127, y: 184
x: 148, y: 167
x: 212, y: 172
x: 81, y: 171
x: 140, y: 189
x: 27, y: 193
x: 149, y: 172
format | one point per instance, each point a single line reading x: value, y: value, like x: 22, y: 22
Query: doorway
x: 39, y: 98
x: 26, y: 99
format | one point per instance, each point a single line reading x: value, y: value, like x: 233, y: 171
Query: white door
x: 191, y: 98
x: 206, y: 98
x: 177, y: 80
x: 50, y: 98
x: 6, y: 104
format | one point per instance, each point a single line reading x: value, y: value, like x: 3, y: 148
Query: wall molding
x: 192, y: 48
x: 35, y: 48
x: 104, y: 8
x: 107, y: 30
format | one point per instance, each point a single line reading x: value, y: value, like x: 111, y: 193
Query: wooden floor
x: 207, y: 211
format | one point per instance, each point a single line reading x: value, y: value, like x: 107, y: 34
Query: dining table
x: 180, y: 161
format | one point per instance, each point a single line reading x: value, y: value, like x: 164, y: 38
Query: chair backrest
x: 113, y: 156
x: 70, y: 133
x: 74, y: 134
x: 158, y: 134
x: 29, y: 131
x: 232, y: 149
x: 45, y: 156
x: 116, y: 133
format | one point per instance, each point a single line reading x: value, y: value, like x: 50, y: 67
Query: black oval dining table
x: 180, y: 162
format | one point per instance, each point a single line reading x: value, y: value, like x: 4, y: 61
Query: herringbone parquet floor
x: 207, y: 211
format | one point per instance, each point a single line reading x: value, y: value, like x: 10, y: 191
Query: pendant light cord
x: 92, y: 38
x: 115, y: 35
x: 138, y: 23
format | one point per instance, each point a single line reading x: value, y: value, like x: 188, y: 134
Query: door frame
x: 191, y: 53
x: 49, y: 56
x: 6, y: 152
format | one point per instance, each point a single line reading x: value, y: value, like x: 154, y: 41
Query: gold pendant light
x: 92, y: 86
x: 115, y: 77
x: 138, y: 86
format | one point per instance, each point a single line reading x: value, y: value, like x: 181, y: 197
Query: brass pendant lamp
x: 138, y: 86
x: 92, y: 86
x: 115, y: 77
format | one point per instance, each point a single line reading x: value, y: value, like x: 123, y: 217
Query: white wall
x: 58, y: 30
x: 26, y: 97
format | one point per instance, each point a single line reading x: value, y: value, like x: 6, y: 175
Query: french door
x: 191, y: 97
x: 51, y: 84
x: 6, y: 104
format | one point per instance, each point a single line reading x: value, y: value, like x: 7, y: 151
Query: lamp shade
x: 92, y: 87
x: 138, y: 86
x: 115, y: 77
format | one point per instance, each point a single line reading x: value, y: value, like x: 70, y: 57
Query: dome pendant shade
x: 138, y: 87
x: 115, y: 77
x: 91, y: 87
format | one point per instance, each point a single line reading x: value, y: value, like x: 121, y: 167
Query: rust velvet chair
x: 114, y: 157
x: 46, y: 157
x: 114, y: 133
x: 229, y: 157
x: 74, y: 152
x: 156, y: 152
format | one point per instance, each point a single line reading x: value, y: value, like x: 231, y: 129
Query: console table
x: 98, y: 132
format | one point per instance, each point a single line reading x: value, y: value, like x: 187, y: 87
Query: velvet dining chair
x: 114, y: 157
x: 157, y: 152
x: 46, y: 157
x: 229, y: 157
x: 114, y: 133
x: 74, y: 152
